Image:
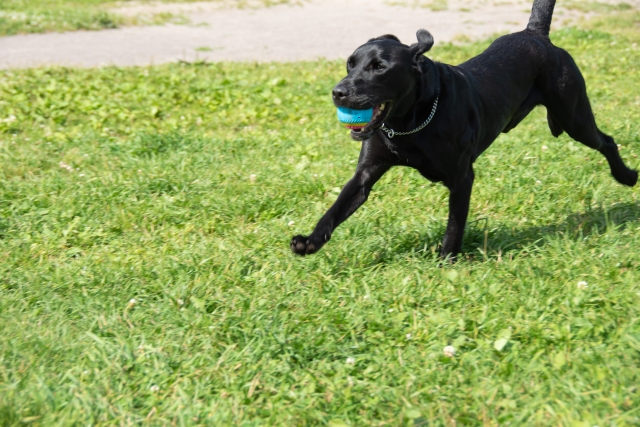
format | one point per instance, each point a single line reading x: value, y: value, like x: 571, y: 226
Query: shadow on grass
x: 9, y: 416
x: 515, y: 241
x: 576, y: 227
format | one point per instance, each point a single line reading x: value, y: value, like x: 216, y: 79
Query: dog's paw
x: 446, y: 258
x: 302, y: 245
x: 625, y: 176
x: 631, y: 178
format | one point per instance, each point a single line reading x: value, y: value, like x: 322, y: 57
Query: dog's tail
x: 541, y: 14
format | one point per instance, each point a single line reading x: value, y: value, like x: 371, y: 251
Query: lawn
x: 146, y: 278
x: 39, y: 16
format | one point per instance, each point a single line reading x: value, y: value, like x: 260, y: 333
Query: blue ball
x: 349, y: 116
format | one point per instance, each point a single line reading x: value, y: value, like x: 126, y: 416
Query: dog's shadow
x: 482, y: 240
x: 486, y: 241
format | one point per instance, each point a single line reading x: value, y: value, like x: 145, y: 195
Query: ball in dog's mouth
x: 373, y: 118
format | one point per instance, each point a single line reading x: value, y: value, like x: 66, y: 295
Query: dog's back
x: 522, y: 70
x: 519, y: 71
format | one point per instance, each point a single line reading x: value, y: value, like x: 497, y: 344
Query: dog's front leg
x: 352, y: 196
x: 459, y: 199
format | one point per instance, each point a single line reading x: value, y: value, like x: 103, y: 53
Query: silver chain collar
x: 391, y: 133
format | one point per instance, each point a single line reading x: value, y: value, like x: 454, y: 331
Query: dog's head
x: 382, y: 74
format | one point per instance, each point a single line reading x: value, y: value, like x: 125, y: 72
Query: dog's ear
x: 385, y: 37
x: 425, y: 42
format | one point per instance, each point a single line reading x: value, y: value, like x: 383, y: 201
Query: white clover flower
x: 582, y: 285
x: 409, y: 336
x: 154, y: 388
x: 252, y: 177
x: 351, y: 361
x: 544, y: 148
x: 538, y: 182
x: 180, y: 301
x: 132, y: 301
x: 290, y: 223
x: 449, y: 351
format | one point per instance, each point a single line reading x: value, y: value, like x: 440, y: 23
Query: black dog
x: 470, y: 105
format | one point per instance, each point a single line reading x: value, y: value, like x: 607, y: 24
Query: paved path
x: 318, y: 29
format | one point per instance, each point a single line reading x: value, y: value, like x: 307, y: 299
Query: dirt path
x: 314, y: 29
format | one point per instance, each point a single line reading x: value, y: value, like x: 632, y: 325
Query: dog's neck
x: 413, y: 109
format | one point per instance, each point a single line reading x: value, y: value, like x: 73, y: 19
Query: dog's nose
x: 340, y: 92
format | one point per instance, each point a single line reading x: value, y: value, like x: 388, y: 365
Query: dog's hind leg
x: 580, y: 125
x: 533, y: 99
x: 569, y: 109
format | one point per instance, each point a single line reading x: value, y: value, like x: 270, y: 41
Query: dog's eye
x: 375, y: 65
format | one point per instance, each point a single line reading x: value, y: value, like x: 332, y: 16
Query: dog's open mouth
x: 380, y: 112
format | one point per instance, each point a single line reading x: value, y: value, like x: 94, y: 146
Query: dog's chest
x: 424, y: 159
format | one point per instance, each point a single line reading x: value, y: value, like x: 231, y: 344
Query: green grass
x: 39, y: 16
x: 598, y: 7
x: 434, y: 5
x: 135, y: 183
